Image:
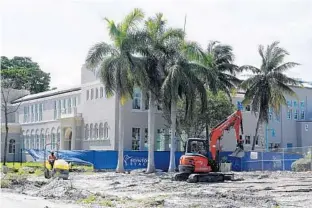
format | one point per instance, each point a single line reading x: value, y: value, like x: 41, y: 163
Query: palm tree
x: 218, y: 71
x: 116, y: 66
x: 181, y: 82
x: 152, y: 46
x: 267, y: 86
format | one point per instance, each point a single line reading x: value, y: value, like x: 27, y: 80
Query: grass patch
x: 5, y: 183
x: 89, y: 200
x: 106, y: 203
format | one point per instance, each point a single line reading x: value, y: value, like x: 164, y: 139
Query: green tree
x: 151, y: 44
x: 218, y: 70
x: 218, y: 108
x: 267, y: 86
x: 117, y: 66
x: 25, y: 74
x: 181, y: 81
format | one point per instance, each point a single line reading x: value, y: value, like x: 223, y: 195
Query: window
x: 58, y: 108
x: 101, y: 92
x: 302, y: 115
x: 257, y: 140
x: 101, y: 131
x: 135, y: 138
x: 106, y: 130
x: 91, y: 131
x: 289, y: 103
x: 306, y: 127
x: 273, y: 133
x: 36, y: 112
x: 96, y: 93
x: 92, y: 94
x: 96, y: 131
x: 302, y: 104
x: 247, y: 140
x: 295, y: 104
x: 69, y: 105
x: 146, y: 101
x: 239, y: 105
x: 247, y: 108
x: 58, y: 136
x: 55, y: 110
x: 42, y: 140
x: 289, y: 112
x: 12, y: 146
x: 32, y: 113
x: 40, y: 111
x: 296, y: 114
x: 158, y: 139
x: 146, y: 139
x: 63, y: 105
x: 25, y: 114
x: 289, y: 145
x: 277, y: 117
x: 87, y: 132
x: 29, y: 114
x: 74, y: 101
x: 88, y: 95
x: 136, y: 103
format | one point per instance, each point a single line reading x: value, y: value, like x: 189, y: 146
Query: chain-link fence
x: 279, y: 159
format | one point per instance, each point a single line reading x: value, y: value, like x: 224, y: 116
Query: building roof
x: 47, y: 94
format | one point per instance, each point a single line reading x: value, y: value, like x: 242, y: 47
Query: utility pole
x: 184, y: 23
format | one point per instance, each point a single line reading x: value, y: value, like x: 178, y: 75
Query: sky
x: 58, y: 33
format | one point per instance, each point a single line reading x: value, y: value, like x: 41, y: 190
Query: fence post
x: 283, y: 159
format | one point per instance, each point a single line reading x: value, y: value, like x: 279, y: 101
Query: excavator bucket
x: 238, y: 152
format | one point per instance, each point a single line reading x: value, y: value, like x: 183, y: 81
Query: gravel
x: 137, y: 189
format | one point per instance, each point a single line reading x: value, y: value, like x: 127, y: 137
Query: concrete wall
x: 98, y: 111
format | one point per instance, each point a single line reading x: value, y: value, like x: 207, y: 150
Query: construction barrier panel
x: 252, y: 161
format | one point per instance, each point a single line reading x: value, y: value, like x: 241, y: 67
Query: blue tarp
x: 138, y: 159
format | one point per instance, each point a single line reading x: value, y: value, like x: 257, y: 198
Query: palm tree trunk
x: 173, y: 130
x: 256, y: 134
x: 151, y: 134
x: 120, y: 165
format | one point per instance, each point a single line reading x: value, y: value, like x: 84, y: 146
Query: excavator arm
x: 235, y: 120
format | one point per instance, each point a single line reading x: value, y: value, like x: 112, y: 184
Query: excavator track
x: 203, y: 177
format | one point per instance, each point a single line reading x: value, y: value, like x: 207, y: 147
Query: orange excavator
x: 195, y: 165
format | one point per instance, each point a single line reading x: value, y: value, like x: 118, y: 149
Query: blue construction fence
x: 252, y: 161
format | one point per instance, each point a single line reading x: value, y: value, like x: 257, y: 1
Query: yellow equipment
x: 60, y: 167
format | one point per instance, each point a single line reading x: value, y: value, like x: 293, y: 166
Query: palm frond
x: 131, y: 20
x: 97, y: 53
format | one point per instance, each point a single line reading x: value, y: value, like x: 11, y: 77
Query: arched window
x: 53, y: 139
x: 91, y: 131
x: 101, y: 131
x: 96, y: 93
x: 87, y: 132
x: 106, y: 130
x: 96, y: 131
x: 47, y: 138
x: 37, y: 142
x: 42, y: 141
x: 12, y: 146
x: 58, y: 136
x: 32, y: 139
x: 27, y: 139
x: 101, y: 92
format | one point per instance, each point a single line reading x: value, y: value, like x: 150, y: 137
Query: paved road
x: 23, y: 201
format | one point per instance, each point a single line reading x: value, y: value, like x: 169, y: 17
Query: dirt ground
x: 254, y: 189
